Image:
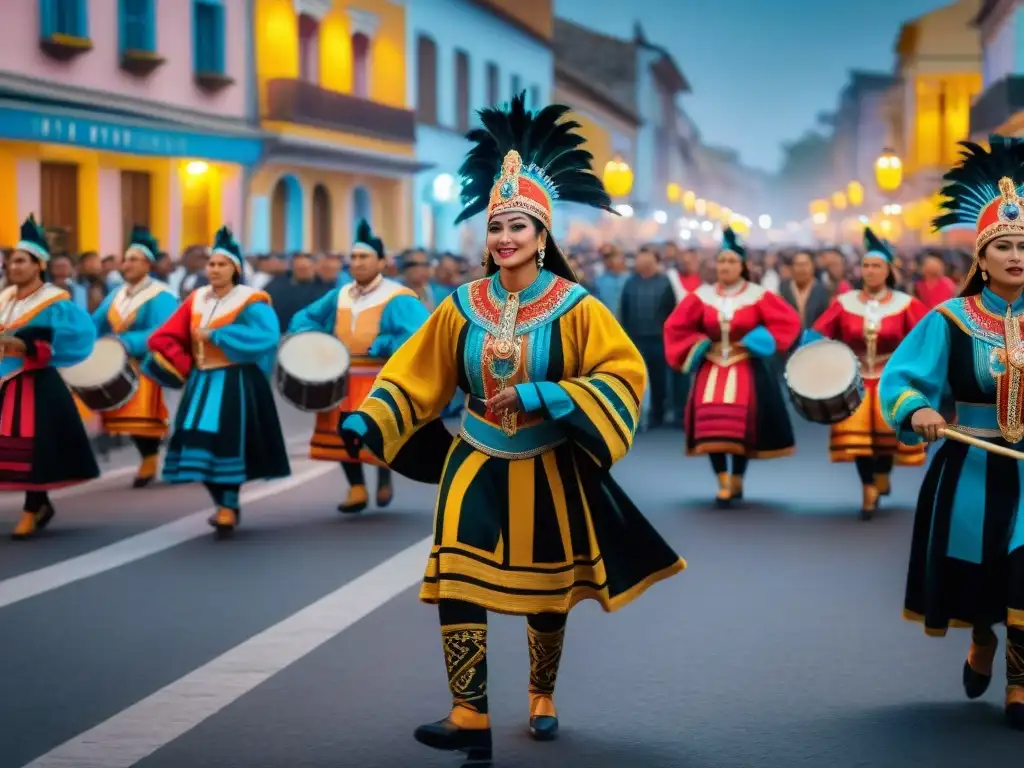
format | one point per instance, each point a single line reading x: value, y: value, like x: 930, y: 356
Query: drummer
x: 872, y: 322
x: 372, y: 316
x: 130, y: 314
x: 43, y: 444
x: 221, y: 344
x: 726, y: 334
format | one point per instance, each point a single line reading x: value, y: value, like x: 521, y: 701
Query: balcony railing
x: 997, y: 104
x: 295, y: 101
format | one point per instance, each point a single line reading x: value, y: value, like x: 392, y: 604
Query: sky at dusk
x: 760, y: 70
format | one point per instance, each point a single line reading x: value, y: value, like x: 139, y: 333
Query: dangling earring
x: 984, y: 276
x: 487, y: 255
x: 540, y: 258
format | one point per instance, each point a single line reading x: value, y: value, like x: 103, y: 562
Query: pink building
x: 124, y: 112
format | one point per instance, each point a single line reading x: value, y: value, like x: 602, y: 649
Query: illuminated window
x: 361, y: 65
x: 208, y: 37
x: 138, y: 25
x: 63, y: 17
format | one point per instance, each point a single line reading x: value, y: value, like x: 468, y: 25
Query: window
x: 493, y: 84
x: 138, y: 25
x: 426, y: 80
x: 461, y: 91
x: 517, y: 86
x: 361, y: 65
x: 63, y: 17
x: 309, y: 49
x: 208, y: 37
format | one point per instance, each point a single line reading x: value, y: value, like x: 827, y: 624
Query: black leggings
x: 355, y: 476
x: 869, y: 466
x: 720, y: 463
x: 147, y: 446
x: 460, y: 612
x: 36, y: 500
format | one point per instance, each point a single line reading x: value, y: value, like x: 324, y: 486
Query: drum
x: 312, y: 370
x: 106, y: 379
x: 824, y: 382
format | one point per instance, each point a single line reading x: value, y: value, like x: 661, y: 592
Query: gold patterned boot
x: 883, y: 482
x: 146, y: 473
x: 468, y: 727
x: 978, y: 667
x: 357, y: 500
x: 724, y: 496
x: 736, y: 486
x: 545, y: 656
x: 1015, y: 677
x: 869, y: 504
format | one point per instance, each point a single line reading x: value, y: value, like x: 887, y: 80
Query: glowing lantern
x: 700, y: 207
x: 714, y: 210
x: 888, y: 171
x: 839, y: 201
x: 617, y: 178
x: 673, y: 192
x: 689, y: 200
x: 855, y: 193
x: 819, y: 208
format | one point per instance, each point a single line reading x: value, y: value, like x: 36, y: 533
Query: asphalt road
x: 131, y: 637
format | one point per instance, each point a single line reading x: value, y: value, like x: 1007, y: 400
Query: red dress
x: 866, y: 433
x: 736, y: 403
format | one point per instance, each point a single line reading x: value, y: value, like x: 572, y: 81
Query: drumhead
x: 314, y: 357
x: 108, y: 359
x: 822, y: 369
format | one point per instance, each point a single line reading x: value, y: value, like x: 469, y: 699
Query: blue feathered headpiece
x: 224, y: 243
x: 142, y: 241
x: 33, y: 240
x: 731, y: 242
x: 873, y: 246
x: 367, y: 241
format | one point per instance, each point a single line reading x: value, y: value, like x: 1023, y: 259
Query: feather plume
x: 545, y: 143
x: 731, y: 242
x: 874, y: 244
x: 365, y: 235
x: 974, y: 183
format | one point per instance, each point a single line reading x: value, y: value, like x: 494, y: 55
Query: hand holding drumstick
x: 928, y: 423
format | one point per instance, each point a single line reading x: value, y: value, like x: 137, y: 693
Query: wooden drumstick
x: 954, y: 434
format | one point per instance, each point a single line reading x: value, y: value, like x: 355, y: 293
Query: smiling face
x: 874, y: 272
x: 513, y: 239
x: 220, y: 271
x: 135, y: 265
x: 1003, y: 259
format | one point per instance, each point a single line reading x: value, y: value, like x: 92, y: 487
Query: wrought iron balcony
x: 295, y: 101
x: 999, y: 102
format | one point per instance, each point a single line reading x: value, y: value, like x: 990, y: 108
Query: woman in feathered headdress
x: 220, y: 346
x: 967, y: 554
x: 725, y: 334
x: 872, y: 322
x: 131, y: 313
x: 43, y: 444
x: 529, y: 521
x: 372, y: 316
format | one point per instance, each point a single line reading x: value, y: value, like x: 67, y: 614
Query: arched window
x: 321, y: 219
x: 361, y: 65
x: 286, y: 216
x: 309, y: 49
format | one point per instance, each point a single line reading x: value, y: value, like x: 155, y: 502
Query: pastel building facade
x: 125, y: 112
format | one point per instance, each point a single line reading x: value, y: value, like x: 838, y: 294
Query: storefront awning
x: 28, y: 121
x: 302, y: 152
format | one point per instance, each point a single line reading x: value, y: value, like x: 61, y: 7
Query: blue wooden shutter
x: 138, y: 25
x: 208, y: 37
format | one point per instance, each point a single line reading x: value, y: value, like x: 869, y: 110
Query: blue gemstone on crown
x: 507, y: 190
x: 1011, y: 212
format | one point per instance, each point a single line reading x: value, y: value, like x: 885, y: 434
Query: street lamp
x: 888, y: 171
x: 617, y: 178
x: 444, y: 188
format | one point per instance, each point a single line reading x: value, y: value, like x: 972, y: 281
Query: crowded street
x: 134, y: 637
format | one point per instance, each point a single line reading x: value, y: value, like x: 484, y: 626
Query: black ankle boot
x: 446, y: 736
x: 982, y: 653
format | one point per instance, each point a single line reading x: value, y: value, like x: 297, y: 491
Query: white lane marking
x: 13, y: 499
x: 140, y: 730
x: 33, y: 583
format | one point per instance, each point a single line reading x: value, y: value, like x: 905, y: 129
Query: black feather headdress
x: 524, y: 161
x: 144, y: 242
x: 984, y: 191
x: 731, y: 242
x: 873, y: 246
x: 32, y: 239
x: 224, y: 243
x: 367, y: 241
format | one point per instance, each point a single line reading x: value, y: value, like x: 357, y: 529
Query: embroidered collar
x: 997, y: 305
x: 359, y: 291
x: 881, y: 297
x: 543, y: 301
x: 530, y: 293
x: 731, y: 290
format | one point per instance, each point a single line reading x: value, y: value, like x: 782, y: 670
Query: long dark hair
x: 554, y: 260
x: 974, y: 284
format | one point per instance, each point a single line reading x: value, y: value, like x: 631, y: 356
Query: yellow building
x: 939, y: 68
x: 331, y: 79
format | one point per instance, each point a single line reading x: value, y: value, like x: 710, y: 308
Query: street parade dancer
x: 372, y: 316
x: 43, y: 444
x: 528, y: 519
x: 220, y: 344
x: 130, y: 314
x: 725, y: 335
x: 967, y: 551
x: 872, y: 322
